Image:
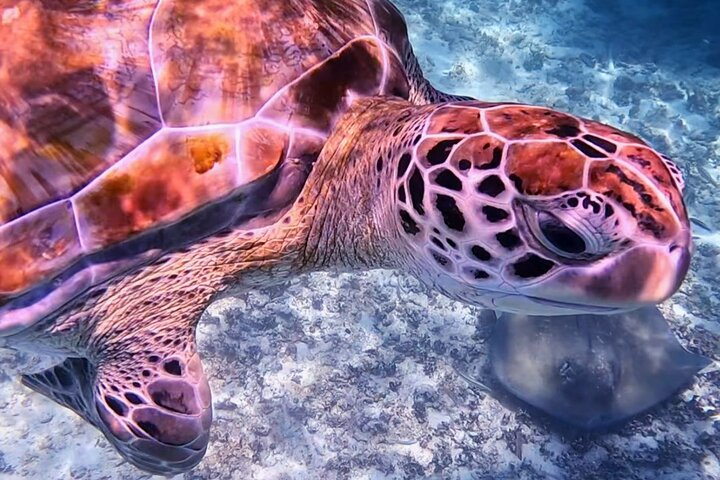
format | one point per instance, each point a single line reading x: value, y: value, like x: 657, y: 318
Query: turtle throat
x: 350, y: 190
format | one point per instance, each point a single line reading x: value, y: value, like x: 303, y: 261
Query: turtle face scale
x: 525, y: 209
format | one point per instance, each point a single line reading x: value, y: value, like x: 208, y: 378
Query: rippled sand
x: 371, y: 376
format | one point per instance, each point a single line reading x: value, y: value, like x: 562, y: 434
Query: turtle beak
x: 644, y: 275
x: 679, y: 256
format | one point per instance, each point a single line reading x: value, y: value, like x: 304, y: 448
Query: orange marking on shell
x: 157, y: 184
x: 546, y: 168
x: 650, y: 163
x: 611, y: 133
x: 455, y: 120
x: 206, y: 151
x: 519, y: 122
x: 635, y: 194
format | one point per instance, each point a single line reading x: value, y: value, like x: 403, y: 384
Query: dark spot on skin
x: 173, y: 367
x: 403, y: 164
x: 587, y: 149
x: 647, y: 222
x: 564, y: 131
x: 573, y: 202
x: 149, y: 428
x: 600, y: 142
x: 639, y: 160
x: 492, y: 186
x: 479, y: 274
x: 517, y: 181
x: 508, y: 239
x: 495, y: 215
x: 532, y: 266
x: 464, y: 164
x: 637, y: 187
x: 379, y: 164
x: 452, y: 243
x: 609, y: 210
x: 438, y: 243
x: 449, y: 180
x: 496, y: 159
x: 146, y: 373
x: 480, y: 253
x: 417, y: 191
x: 153, y: 359
x: 408, y: 224
x: 133, y: 398
x: 442, y: 260
x: 401, y: 193
x: 116, y: 405
x: 439, y: 153
x: 452, y: 216
x: 416, y: 139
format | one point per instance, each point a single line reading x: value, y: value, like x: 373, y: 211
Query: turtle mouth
x: 585, y: 307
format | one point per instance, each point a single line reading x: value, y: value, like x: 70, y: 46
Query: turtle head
x: 525, y: 209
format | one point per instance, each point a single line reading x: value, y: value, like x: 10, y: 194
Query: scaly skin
x: 343, y: 219
x: 146, y: 319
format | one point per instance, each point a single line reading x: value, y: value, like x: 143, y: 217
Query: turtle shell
x: 132, y: 128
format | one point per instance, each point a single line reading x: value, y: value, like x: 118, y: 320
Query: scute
x: 76, y: 95
x: 219, y: 62
x: 169, y: 176
x: 41, y: 242
x: 120, y: 123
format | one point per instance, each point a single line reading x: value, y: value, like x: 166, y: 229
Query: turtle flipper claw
x: 156, y: 410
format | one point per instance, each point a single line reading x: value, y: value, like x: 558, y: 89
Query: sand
x: 372, y: 376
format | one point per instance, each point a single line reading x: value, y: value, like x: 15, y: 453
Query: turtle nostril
x: 674, y: 247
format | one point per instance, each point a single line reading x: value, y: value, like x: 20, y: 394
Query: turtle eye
x: 558, y: 237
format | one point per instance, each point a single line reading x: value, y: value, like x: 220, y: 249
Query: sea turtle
x: 153, y: 153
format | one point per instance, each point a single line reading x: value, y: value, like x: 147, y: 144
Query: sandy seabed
x: 372, y: 376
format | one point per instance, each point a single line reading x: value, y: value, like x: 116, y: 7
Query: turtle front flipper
x: 155, y: 410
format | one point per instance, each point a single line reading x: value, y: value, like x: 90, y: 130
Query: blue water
x: 371, y: 376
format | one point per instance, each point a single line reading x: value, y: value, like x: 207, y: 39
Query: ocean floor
x: 372, y: 376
